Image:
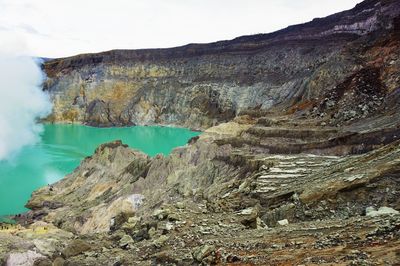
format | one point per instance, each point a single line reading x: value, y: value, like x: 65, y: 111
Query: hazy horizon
x: 53, y: 29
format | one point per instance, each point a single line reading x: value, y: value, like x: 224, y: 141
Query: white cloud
x: 21, y: 98
x: 68, y: 27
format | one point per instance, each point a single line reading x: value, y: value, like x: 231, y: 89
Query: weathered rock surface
x: 330, y: 64
x: 213, y: 204
x: 305, y: 169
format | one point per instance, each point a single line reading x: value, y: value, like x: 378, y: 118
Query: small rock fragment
x: 260, y: 223
x: 283, y: 222
x: 169, y: 226
x: 370, y: 211
x: 125, y: 241
x: 58, y: 261
x: 161, y: 214
x: 202, y: 252
x: 159, y: 242
x: 75, y: 248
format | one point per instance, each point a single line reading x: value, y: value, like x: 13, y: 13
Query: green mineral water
x: 61, y: 149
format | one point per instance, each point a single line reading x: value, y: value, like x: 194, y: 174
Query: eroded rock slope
x: 300, y: 167
x: 216, y: 204
x: 343, y: 64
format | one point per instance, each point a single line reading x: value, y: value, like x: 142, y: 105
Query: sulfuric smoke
x: 22, y: 101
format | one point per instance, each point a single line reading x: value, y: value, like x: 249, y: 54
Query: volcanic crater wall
x: 201, y: 85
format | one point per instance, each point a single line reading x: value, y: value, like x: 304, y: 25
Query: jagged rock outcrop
x: 201, y: 85
x: 207, y: 203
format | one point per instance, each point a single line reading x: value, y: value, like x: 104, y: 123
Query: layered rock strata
x: 300, y: 167
x: 220, y: 204
x: 343, y: 65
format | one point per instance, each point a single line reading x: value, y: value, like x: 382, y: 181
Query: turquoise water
x: 61, y: 149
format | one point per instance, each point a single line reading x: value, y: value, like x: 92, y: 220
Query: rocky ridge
x: 327, y: 64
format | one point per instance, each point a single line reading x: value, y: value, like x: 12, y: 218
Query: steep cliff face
x: 201, y: 85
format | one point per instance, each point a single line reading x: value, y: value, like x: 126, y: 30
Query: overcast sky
x: 56, y: 28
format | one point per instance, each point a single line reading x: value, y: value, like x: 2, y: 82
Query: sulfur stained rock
x: 202, y: 85
x: 160, y: 241
x: 75, y: 248
x: 202, y: 252
x: 161, y: 214
x: 131, y: 224
x: 126, y: 241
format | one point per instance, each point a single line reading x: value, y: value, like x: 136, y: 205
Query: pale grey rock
x: 371, y: 211
x: 283, y: 222
x: 27, y: 258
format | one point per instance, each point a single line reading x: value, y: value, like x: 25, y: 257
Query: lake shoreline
x: 62, y: 148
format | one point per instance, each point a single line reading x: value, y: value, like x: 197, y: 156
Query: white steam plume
x: 22, y: 100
